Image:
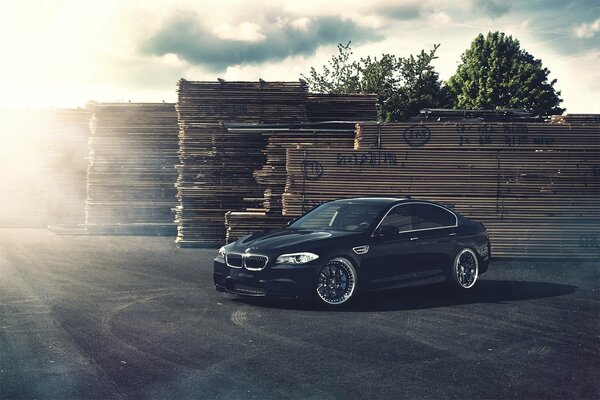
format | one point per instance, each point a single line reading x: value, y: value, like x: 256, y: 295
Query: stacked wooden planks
x: 341, y: 107
x: 535, y: 186
x: 499, y: 115
x: 131, y: 172
x: 215, y: 175
x: 42, y: 166
x: 277, y: 138
x: 250, y: 102
x: 216, y: 164
x: 67, y: 134
x: 272, y: 176
x: 241, y: 223
x: 582, y: 119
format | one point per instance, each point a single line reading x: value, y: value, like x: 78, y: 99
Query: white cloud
x: 441, y: 18
x: 491, y: 8
x: 587, y: 30
x: 245, y: 32
x: 65, y: 52
x: 578, y: 80
x: 301, y: 23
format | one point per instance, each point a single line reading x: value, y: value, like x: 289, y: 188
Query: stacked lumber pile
x: 272, y: 175
x: 277, y: 138
x: 341, y: 107
x: 43, y: 166
x: 67, y: 138
x: 216, y: 164
x: 499, y: 115
x: 582, y: 119
x: 250, y: 102
x: 241, y: 223
x: 535, y: 186
x: 215, y: 175
x: 131, y: 174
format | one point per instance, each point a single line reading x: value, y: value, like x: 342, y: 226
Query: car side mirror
x: 385, y: 231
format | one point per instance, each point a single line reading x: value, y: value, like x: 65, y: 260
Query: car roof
x: 374, y: 200
x: 389, y: 202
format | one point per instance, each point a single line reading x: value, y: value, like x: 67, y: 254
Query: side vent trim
x: 361, y: 249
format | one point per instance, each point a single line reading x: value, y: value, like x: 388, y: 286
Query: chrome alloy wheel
x: 466, y: 269
x: 337, y: 281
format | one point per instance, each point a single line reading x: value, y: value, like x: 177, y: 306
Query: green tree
x: 403, y: 85
x: 496, y: 73
x: 340, y: 75
x: 381, y: 77
x: 421, y: 86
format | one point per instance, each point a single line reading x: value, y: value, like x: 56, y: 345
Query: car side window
x: 426, y: 216
x: 356, y: 217
x: 399, y: 217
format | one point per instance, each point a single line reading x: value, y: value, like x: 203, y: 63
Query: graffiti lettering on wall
x: 417, y: 135
x: 312, y: 169
x: 372, y: 158
x: 516, y: 140
x: 463, y: 140
x: 484, y: 139
x: 589, y: 241
x: 474, y: 128
x: 515, y: 129
x: 507, y: 129
x: 510, y: 135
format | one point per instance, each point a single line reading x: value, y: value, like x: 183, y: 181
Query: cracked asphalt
x: 99, y: 317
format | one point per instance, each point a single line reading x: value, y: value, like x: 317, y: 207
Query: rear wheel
x: 465, y: 269
x: 336, y: 283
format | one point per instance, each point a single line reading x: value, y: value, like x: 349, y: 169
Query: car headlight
x: 222, y: 252
x: 296, y: 258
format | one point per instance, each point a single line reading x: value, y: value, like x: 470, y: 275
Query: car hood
x: 290, y: 240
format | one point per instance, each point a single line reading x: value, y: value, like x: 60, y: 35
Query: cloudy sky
x: 65, y: 52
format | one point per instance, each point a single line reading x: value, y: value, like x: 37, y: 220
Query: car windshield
x: 349, y: 217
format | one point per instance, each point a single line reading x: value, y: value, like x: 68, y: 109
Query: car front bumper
x: 281, y: 280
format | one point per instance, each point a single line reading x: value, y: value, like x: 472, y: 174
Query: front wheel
x: 465, y: 269
x: 336, y: 282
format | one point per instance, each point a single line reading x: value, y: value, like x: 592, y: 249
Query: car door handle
x: 415, y: 238
x: 452, y: 234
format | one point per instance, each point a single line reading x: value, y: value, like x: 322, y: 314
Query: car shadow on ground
x: 434, y: 296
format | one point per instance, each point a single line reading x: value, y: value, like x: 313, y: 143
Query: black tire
x: 465, y: 269
x: 336, y: 282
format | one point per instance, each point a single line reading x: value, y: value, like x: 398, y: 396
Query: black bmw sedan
x: 363, y: 244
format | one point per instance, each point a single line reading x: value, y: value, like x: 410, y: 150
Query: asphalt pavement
x: 126, y: 317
